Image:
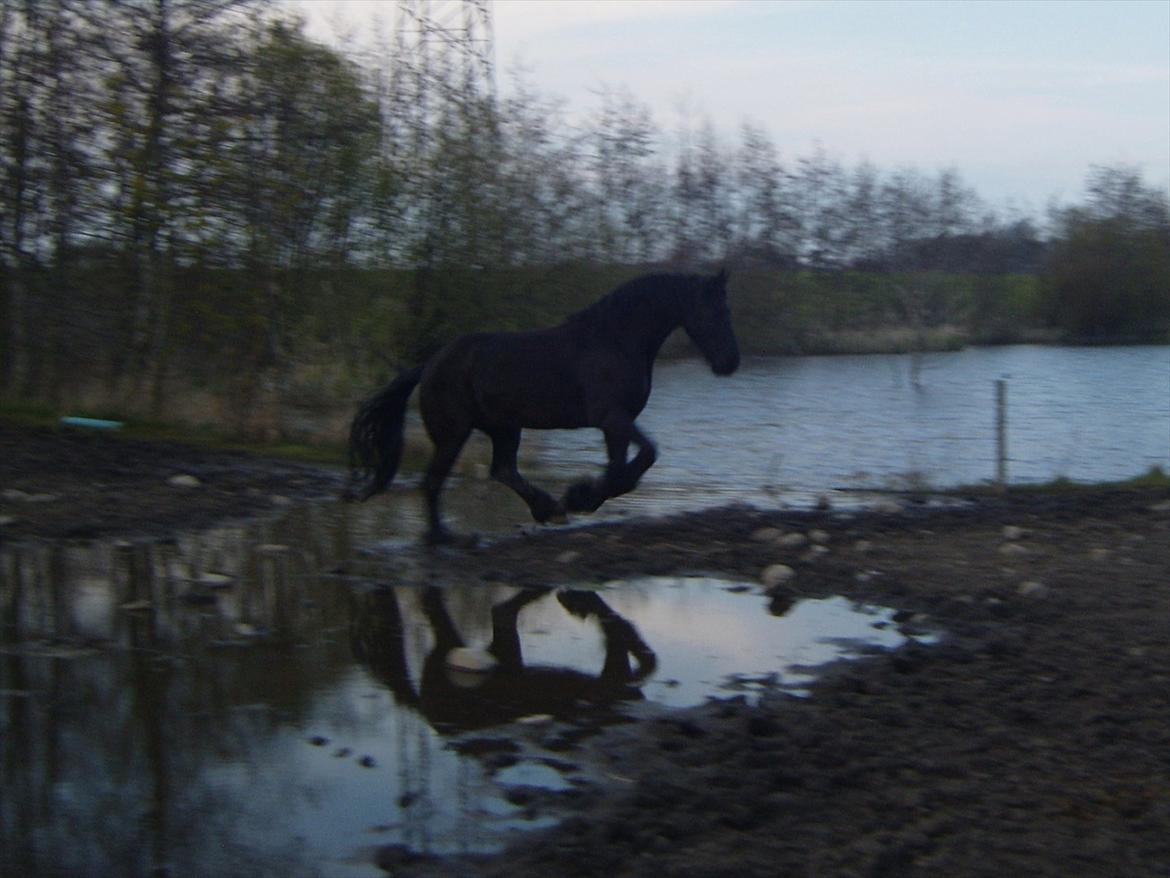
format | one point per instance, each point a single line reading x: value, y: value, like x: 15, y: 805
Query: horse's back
x: 504, y: 379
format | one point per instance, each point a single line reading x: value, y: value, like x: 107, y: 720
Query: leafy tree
x: 1108, y: 272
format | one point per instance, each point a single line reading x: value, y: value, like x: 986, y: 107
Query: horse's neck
x: 652, y: 320
x: 637, y: 323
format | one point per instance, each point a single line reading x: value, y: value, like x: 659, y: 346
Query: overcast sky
x: 1020, y: 97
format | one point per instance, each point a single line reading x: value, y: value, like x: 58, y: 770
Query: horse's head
x: 707, y: 320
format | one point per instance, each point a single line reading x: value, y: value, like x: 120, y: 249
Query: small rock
x: 568, y: 557
x: 767, y: 534
x: 1032, y: 589
x: 792, y: 541
x: 367, y: 762
x: 1012, y: 532
x: 536, y: 719
x: 776, y: 574
x: 279, y: 500
x: 819, y: 537
x: 1013, y: 550
x: 475, y: 661
x: 1099, y: 554
x: 184, y: 480
x: 863, y: 546
x: 215, y: 580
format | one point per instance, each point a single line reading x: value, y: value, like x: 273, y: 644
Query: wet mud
x: 1031, y: 739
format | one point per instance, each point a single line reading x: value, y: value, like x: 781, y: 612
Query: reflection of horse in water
x: 453, y: 700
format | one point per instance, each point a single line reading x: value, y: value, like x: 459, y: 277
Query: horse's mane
x: 632, y: 296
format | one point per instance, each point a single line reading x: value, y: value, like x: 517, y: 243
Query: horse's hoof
x: 581, y: 498
x: 546, y: 510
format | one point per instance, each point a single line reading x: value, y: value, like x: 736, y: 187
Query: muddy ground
x: 1033, y: 740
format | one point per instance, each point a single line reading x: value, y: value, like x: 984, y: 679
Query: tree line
x: 195, y: 192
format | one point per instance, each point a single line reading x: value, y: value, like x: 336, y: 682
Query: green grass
x: 1155, y: 478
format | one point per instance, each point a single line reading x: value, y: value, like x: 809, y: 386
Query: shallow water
x: 789, y: 428
x: 224, y: 705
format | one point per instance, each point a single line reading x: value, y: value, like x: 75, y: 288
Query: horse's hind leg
x: 446, y: 452
x: 505, y: 444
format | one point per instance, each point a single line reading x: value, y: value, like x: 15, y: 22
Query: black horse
x: 593, y: 370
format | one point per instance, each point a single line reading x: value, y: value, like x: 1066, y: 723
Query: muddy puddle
x: 226, y: 703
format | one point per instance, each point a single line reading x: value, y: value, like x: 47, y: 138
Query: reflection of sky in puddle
x: 242, y: 734
x: 711, y: 641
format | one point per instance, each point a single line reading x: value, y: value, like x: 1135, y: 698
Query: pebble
x: 184, y: 480
x: 568, y: 557
x: 776, y: 574
x: 819, y: 537
x: 792, y: 541
x: 767, y: 534
x: 1032, y: 589
x: 1013, y: 549
x: 17, y: 495
x: 476, y: 661
x: 1012, y: 532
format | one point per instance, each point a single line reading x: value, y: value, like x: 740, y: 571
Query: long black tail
x: 376, y: 436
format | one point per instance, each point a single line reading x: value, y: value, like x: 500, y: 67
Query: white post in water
x: 1001, y: 433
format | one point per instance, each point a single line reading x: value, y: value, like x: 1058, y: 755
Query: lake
x: 790, y: 429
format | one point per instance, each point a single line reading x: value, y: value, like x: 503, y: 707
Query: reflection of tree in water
x: 141, y: 730
x: 128, y: 719
x: 115, y: 764
x: 451, y: 700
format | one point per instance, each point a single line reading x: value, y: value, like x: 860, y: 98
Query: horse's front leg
x: 621, y: 638
x: 621, y: 475
x: 505, y: 444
